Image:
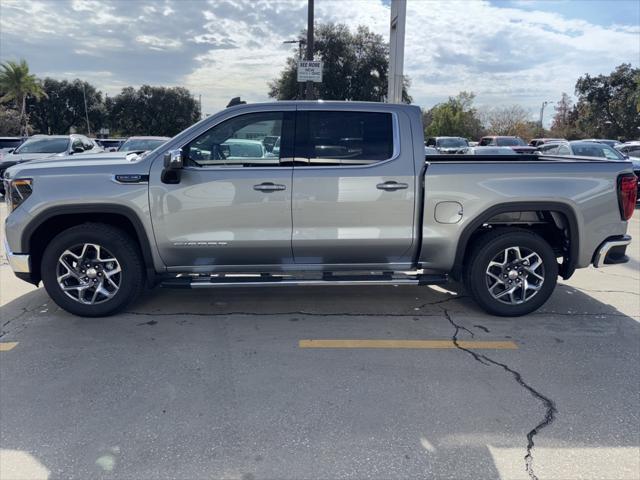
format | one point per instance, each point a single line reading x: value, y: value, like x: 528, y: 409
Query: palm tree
x: 17, y: 84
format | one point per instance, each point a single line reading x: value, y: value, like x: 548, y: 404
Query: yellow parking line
x: 6, y: 346
x: 433, y: 344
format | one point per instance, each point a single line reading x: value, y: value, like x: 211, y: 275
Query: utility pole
x: 200, y: 105
x: 86, y: 112
x: 310, y: 92
x: 544, y: 104
x: 396, y: 50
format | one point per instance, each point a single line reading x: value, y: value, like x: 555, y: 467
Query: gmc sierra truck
x: 342, y: 196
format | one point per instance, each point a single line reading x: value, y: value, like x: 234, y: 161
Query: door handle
x: 269, y: 187
x: 392, y: 186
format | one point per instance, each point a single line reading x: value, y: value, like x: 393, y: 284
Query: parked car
x: 447, y: 144
x: 43, y: 146
x: 630, y: 149
x: 546, y: 147
x: 96, y: 232
x: 515, y: 143
x: 8, y: 143
x: 611, y: 143
x: 430, y: 151
x: 583, y: 148
x: 142, y: 144
x: 110, y: 144
x: 487, y: 151
x: 536, y: 142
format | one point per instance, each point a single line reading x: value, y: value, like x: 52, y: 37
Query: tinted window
x: 485, y: 141
x: 44, y: 145
x: 240, y: 142
x: 633, y: 151
x: 346, y: 138
x: 597, y: 150
x: 10, y: 142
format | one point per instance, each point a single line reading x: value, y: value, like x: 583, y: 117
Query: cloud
x: 506, y: 52
x: 158, y: 43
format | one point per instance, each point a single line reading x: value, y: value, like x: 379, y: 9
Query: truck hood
x: 102, y: 159
x: 14, y: 158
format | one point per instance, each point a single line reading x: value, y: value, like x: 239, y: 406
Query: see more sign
x: 309, y: 71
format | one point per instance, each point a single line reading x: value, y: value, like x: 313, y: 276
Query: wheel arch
x: 54, y: 220
x: 567, y: 213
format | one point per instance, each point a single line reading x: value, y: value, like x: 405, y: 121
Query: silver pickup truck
x: 312, y: 193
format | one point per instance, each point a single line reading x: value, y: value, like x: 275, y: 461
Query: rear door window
x: 343, y: 138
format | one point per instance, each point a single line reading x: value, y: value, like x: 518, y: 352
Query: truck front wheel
x: 511, y: 272
x: 92, y: 270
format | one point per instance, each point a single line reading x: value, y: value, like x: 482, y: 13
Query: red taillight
x: 627, y: 193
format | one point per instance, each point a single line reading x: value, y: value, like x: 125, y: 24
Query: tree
x: 509, y: 120
x: 16, y: 84
x: 9, y: 122
x: 609, y: 105
x: 356, y: 67
x: 152, y: 111
x: 564, y: 120
x: 64, y: 110
x: 455, y: 117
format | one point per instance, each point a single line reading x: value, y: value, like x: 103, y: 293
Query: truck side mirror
x: 173, y: 163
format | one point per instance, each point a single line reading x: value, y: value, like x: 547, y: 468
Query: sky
x: 506, y: 52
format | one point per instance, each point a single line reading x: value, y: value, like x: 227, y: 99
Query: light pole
x: 86, y: 112
x: 300, y: 43
x: 396, y: 50
x: 544, y: 104
x: 310, y: 92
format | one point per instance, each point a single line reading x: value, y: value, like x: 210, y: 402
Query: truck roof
x: 326, y: 103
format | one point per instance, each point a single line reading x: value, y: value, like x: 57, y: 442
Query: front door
x: 232, y: 206
x: 353, y: 188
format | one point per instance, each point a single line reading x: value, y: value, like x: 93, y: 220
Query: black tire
x: 491, y: 245
x: 120, y: 245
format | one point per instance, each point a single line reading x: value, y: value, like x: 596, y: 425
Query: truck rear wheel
x: 92, y: 270
x: 511, y: 272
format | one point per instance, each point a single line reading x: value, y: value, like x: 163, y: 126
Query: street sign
x: 309, y: 71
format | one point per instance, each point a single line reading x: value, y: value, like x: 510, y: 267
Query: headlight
x: 18, y: 191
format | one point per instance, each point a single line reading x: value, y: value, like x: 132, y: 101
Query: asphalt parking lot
x: 251, y: 384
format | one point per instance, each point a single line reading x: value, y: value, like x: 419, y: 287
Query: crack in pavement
x: 606, y: 291
x: 550, y: 408
x: 584, y: 314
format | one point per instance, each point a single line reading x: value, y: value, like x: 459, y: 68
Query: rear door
x: 353, y: 187
x: 232, y: 206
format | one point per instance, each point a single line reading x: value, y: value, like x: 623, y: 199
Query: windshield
x: 452, y: 142
x: 44, y: 145
x: 509, y: 141
x: 143, y: 144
